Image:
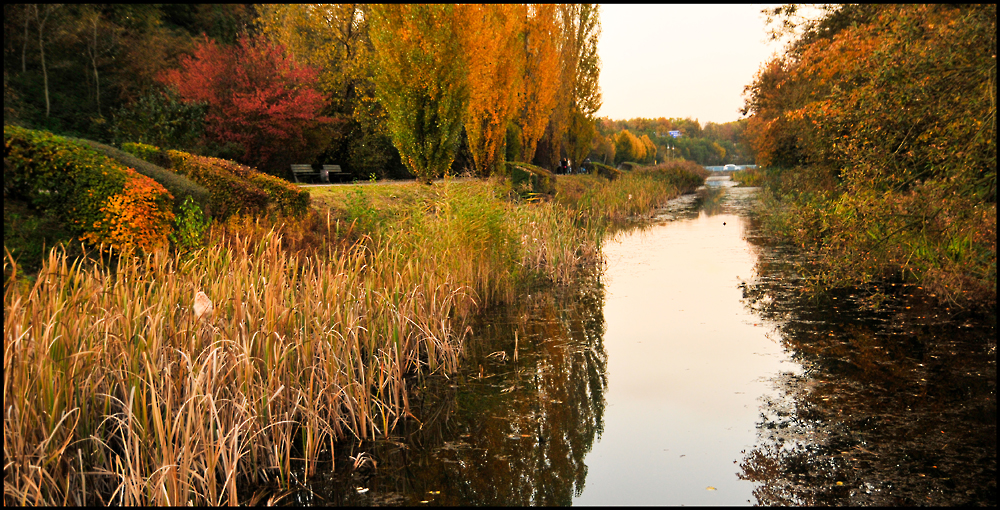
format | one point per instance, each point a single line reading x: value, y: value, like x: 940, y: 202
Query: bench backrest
x: 300, y: 169
x: 333, y: 169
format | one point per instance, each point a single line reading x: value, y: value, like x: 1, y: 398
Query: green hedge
x: 535, y: 178
x: 179, y: 186
x: 608, y: 172
x: 100, y: 199
x: 234, y: 188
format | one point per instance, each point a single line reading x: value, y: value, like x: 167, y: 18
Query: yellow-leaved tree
x: 420, y: 80
x: 570, y: 129
x: 492, y: 39
x: 541, y: 75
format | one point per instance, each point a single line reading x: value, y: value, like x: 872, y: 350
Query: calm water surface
x: 692, y: 371
x: 687, y: 361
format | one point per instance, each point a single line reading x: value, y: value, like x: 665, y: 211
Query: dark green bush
x: 535, y: 178
x: 608, y: 172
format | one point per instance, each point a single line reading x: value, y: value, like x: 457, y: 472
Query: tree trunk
x: 24, y: 47
x: 41, y: 49
x: 93, y: 61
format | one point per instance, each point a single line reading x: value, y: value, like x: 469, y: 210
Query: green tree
x: 420, y: 80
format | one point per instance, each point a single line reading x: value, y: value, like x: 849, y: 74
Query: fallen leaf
x: 710, y: 488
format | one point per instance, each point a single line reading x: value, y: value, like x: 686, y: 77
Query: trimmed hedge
x: 536, y: 178
x: 179, y: 186
x: 234, y: 188
x: 101, y: 200
x: 608, y: 172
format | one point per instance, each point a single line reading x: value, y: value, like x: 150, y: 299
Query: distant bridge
x: 729, y: 168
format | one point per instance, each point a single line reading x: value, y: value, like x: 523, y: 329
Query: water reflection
x: 893, y: 408
x: 505, y: 432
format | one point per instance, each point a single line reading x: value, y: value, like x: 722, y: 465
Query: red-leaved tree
x: 258, y: 98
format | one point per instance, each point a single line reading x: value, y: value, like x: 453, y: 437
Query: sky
x: 680, y: 60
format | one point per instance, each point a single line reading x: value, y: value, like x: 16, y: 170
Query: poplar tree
x: 495, y: 57
x: 420, y: 79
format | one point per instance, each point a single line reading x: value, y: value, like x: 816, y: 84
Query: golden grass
x: 120, y: 387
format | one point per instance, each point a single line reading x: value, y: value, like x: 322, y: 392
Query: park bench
x: 304, y: 171
x: 335, y: 172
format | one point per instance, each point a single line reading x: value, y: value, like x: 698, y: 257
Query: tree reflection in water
x: 503, y: 432
x: 896, y: 407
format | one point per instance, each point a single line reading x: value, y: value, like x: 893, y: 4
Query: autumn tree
x: 257, y: 98
x: 541, y: 75
x: 891, y: 112
x: 420, y: 79
x: 628, y: 147
x: 491, y: 34
x: 579, y: 90
x: 335, y: 39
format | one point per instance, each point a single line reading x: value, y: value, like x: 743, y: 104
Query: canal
x: 692, y: 370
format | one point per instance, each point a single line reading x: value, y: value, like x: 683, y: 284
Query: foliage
x: 160, y: 118
x: 334, y: 38
x: 628, y: 147
x: 751, y: 177
x: 893, y: 108
x: 98, y: 59
x: 258, y: 98
x: 578, y: 96
x: 713, y: 144
x: 99, y: 199
x: 608, y: 172
x: 530, y: 179
x: 191, y: 225
x: 139, y: 215
x: 179, y: 186
x: 420, y: 80
x: 234, y: 188
x: 541, y: 76
x: 494, y: 52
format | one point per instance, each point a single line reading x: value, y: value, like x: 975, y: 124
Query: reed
x: 117, y: 391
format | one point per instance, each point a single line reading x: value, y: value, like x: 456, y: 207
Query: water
x: 687, y: 361
x: 692, y: 371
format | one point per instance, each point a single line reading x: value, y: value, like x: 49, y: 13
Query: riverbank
x: 118, y: 391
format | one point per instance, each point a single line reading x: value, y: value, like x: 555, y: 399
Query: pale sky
x: 680, y: 60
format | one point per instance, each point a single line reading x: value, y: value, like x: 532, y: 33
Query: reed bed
x: 117, y: 392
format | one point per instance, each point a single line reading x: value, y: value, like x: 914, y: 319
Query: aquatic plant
x: 121, y: 388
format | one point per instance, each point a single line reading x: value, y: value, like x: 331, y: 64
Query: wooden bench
x: 304, y: 171
x: 335, y: 172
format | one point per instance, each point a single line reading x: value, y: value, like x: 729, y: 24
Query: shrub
x: 535, y: 178
x: 179, y: 186
x: 191, y: 226
x: 234, y: 187
x: 608, y: 172
x: 101, y: 200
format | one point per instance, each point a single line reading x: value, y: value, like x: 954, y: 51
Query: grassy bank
x: 931, y: 236
x: 117, y: 392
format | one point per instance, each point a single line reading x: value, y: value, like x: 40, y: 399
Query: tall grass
x: 116, y: 393
x: 636, y: 192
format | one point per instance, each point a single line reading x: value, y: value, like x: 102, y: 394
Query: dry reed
x: 119, y: 390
